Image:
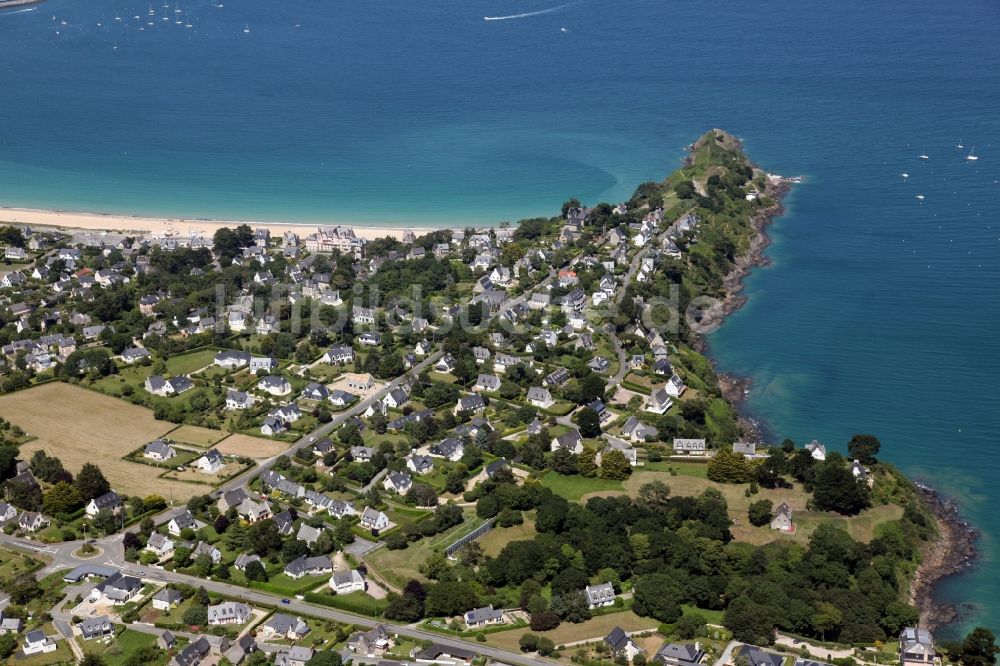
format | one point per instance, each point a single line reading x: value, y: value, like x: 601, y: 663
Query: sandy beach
x: 180, y: 226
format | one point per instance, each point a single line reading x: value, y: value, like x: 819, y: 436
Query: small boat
x: 905, y: 175
x: 152, y: 12
x: 959, y: 144
x: 923, y: 157
x: 919, y: 196
x: 972, y: 157
x: 246, y: 29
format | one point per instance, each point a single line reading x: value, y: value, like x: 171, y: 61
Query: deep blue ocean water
x: 879, y: 313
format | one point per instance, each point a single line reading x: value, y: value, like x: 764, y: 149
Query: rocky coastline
x: 951, y: 553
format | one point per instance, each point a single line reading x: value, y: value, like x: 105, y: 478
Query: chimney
x: 697, y: 646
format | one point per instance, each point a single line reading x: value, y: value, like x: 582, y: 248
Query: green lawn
x: 575, y: 487
x: 711, y: 616
x: 122, y: 647
x: 12, y: 562
x: 283, y: 584
x: 187, y: 363
x: 493, y: 541
x: 62, y: 655
x: 399, y: 566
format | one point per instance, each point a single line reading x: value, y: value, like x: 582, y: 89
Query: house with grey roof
x: 228, y: 612
x: 210, y: 463
x: 108, y: 501
x: 397, y: 482
x: 472, y: 404
x: 481, y: 617
x: 242, y: 560
x: 916, y: 647
x: 166, y: 599
x: 755, y: 656
x: 345, y: 582
x: 782, y: 520
x: 419, y: 464
x: 689, y: 447
x: 540, y: 397
x: 160, y: 545
x: 637, y: 431
x: 450, y: 448
x: 36, y: 642
x: 181, y: 521
x: 308, y: 566
x: 621, y: 644
x: 570, y: 441
x: 118, y: 589
x: 374, y: 520
x: 372, y: 643
x: 600, y: 595
x: 282, y: 625
x: 297, y: 655
x: 680, y: 654
x: 308, y: 533
x: 192, y: 654
x: 159, y: 449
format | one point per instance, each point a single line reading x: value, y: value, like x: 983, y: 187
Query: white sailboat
x: 923, y: 157
x: 959, y: 144
x: 972, y: 157
x: 246, y: 29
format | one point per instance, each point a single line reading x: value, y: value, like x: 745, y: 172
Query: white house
x: 159, y: 449
x: 374, y: 520
x: 540, y: 397
x: 345, y: 582
x: 275, y: 385
x: 229, y: 612
x: 210, y: 463
x: 817, y: 450
x: 600, y: 595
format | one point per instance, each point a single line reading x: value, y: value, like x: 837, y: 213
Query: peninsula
x: 464, y: 446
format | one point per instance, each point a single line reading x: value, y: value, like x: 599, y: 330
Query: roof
x: 600, y: 593
x: 680, y: 652
x: 617, y: 639
x: 759, y: 657
x: 484, y: 614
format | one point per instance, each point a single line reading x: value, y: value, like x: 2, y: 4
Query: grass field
x: 493, y: 541
x: 574, y: 488
x: 196, y: 436
x: 399, y: 566
x: 122, y: 647
x: 593, y: 629
x: 691, y: 480
x: 188, y: 363
x: 12, y: 562
x: 81, y: 426
x: 253, y: 447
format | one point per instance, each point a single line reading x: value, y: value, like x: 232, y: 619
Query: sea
x: 878, y: 313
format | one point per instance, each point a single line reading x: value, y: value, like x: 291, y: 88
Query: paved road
x: 324, y: 612
x: 727, y: 654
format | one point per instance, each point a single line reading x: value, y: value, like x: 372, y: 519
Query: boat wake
x: 20, y: 11
x: 527, y: 14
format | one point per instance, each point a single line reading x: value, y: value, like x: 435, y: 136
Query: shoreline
x: 183, y: 226
x: 952, y: 553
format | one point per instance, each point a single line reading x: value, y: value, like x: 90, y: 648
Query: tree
x: 255, y: 571
x: 749, y: 622
x: 326, y: 658
x: 729, y: 467
x: 615, y: 466
x: 979, y: 648
x: 61, y: 498
x: 90, y: 659
x: 545, y: 620
x: 91, y: 482
x: 564, y: 462
x: 759, y: 513
x: 528, y: 643
x: 8, y: 644
x: 654, y: 494
x: 203, y: 565
x: 690, y: 626
x: 827, y: 618
x: 659, y: 596
x: 864, y: 448
x: 572, y: 607
x: 448, y: 598
x: 836, y: 489
x: 589, y: 422
x: 106, y: 521
x: 586, y: 462
x: 196, y: 615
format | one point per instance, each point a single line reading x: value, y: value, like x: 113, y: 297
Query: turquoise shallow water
x: 879, y: 312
